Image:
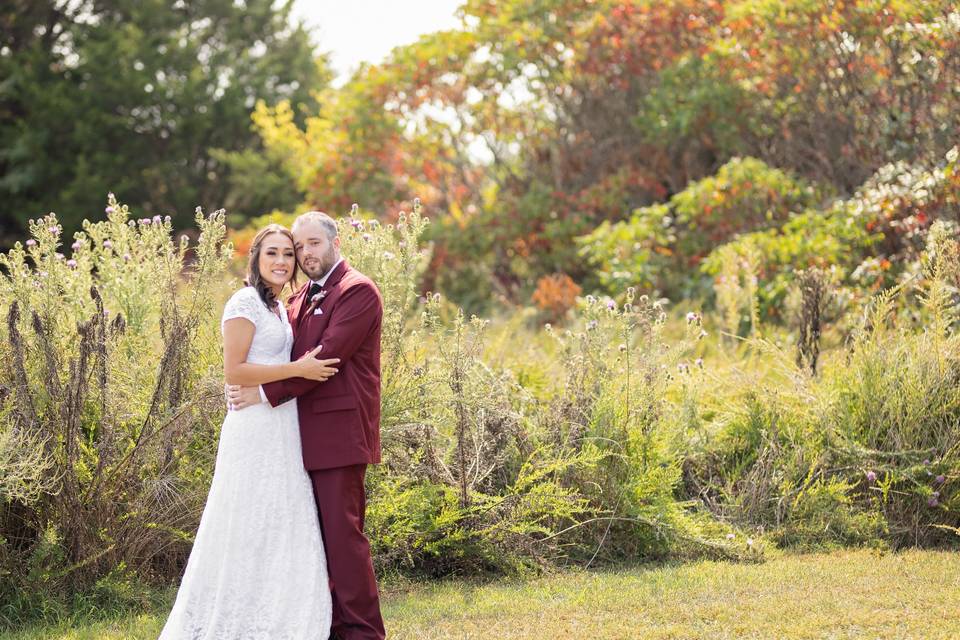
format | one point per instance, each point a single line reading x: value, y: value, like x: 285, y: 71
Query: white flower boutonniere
x: 317, y: 297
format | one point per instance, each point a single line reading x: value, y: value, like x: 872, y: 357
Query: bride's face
x: 277, y: 259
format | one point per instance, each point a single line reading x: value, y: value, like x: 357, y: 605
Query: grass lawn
x: 850, y: 594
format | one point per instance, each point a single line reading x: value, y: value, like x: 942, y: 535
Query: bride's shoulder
x: 244, y: 302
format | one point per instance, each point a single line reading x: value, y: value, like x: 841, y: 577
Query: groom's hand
x: 242, y: 397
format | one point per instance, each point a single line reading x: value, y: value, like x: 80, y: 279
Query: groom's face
x: 316, y: 253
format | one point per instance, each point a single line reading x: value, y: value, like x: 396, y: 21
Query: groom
x: 341, y: 309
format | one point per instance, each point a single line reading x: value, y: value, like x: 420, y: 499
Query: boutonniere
x: 317, y: 297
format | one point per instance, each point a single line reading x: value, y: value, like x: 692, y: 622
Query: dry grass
x: 850, y: 594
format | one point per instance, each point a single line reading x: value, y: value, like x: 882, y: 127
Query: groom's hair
x: 329, y: 224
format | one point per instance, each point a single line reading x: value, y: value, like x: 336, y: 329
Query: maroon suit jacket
x: 340, y: 417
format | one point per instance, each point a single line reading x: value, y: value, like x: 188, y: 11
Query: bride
x: 257, y: 570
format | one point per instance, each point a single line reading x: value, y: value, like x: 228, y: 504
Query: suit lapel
x: 308, y: 306
x: 296, y: 305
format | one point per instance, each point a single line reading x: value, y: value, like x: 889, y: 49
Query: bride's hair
x: 254, y: 278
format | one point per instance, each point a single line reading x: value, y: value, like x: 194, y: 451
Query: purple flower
x: 145, y: 221
x: 167, y: 219
x: 72, y: 263
x: 53, y: 230
x: 31, y: 242
x: 592, y: 325
x: 58, y: 256
x: 356, y: 224
x: 76, y: 245
x: 107, y: 244
x: 157, y: 219
x: 927, y: 461
x: 366, y: 236
x: 126, y: 257
x: 871, y: 476
x: 940, y: 479
x: 933, y: 501
x: 691, y: 316
x: 611, y: 305
x: 109, y: 210
x: 699, y: 362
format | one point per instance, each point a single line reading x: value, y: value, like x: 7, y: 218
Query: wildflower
x: 145, y: 221
x: 699, y: 362
x: 126, y: 257
x: 731, y: 536
x: 933, y: 502
x: 366, y: 236
x: 72, y: 263
x: 54, y: 230
x: 58, y: 256
x: 110, y: 196
x: 691, y: 316
x: 703, y: 334
x: 109, y: 210
x: 356, y: 224
x: 940, y: 479
x: 436, y: 297
x: 591, y: 299
x: 167, y: 219
x: 871, y: 476
x: 157, y: 219
x: 107, y: 244
x: 387, y: 255
x: 591, y: 325
x: 131, y: 223
x: 622, y: 347
x: 31, y: 242
x: 76, y: 245
x: 927, y: 461
x: 611, y: 305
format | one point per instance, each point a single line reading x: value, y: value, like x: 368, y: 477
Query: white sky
x: 355, y: 31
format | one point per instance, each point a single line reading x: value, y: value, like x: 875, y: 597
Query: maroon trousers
x: 341, y: 502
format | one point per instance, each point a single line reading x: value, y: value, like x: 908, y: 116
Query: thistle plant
x: 115, y: 383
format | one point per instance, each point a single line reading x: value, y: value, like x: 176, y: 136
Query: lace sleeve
x: 245, y: 303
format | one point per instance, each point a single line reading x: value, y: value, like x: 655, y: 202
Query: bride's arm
x: 237, y: 338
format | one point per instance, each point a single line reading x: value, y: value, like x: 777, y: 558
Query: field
x: 848, y: 594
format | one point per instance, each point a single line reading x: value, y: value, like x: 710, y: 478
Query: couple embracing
x: 280, y: 553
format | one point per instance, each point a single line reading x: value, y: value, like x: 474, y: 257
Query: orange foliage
x: 555, y: 295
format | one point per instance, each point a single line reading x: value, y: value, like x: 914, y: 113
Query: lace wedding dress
x: 257, y: 570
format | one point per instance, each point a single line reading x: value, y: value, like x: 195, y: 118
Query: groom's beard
x: 318, y: 269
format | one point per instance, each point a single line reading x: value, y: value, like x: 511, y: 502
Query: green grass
x: 849, y: 594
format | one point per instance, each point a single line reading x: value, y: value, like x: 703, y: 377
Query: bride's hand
x: 309, y: 367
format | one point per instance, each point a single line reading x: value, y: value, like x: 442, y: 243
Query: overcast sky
x: 355, y: 31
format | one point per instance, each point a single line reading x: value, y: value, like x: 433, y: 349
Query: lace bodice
x: 273, y: 337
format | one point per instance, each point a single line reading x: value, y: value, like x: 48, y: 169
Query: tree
x: 151, y: 100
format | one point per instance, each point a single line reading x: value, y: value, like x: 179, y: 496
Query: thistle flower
x: 611, y: 305
x: 933, y: 502
x: 126, y: 257
x: 703, y: 334
x: 167, y: 219
x: 356, y: 224
x: 591, y: 325
x: 622, y: 347
x: 31, y: 242
x: 366, y: 236
x: 871, y: 476
x: 107, y: 244
x: 54, y: 230
x: 157, y: 219
x: 108, y: 210
x: 76, y: 245
x: 691, y: 316
x: 72, y: 263
x: 940, y: 479
x: 145, y: 221
x: 699, y: 362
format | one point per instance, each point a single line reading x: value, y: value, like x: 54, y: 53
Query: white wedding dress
x: 257, y: 570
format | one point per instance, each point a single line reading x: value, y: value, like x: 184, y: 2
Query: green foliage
x: 110, y: 414
x: 152, y: 99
